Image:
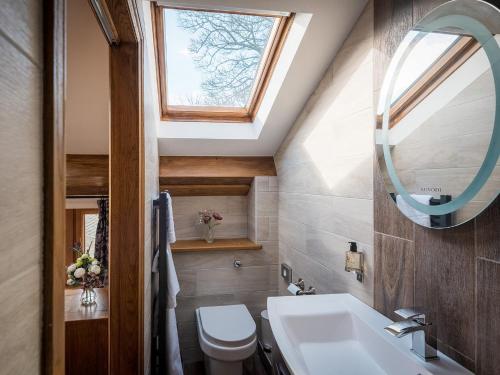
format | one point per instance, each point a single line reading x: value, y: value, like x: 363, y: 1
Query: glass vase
x: 210, y: 234
x: 88, y: 296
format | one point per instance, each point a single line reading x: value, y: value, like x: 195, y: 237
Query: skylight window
x: 215, y: 65
x: 434, y: 58
x: 421, y: 58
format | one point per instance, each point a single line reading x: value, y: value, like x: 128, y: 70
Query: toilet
x: 227, y: 336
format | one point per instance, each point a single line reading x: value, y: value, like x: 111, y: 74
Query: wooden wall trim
x: 54, y: 41
x: 126, y: 300
x: 181, y: 175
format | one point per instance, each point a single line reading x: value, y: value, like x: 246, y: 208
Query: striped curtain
x: 101, y: 237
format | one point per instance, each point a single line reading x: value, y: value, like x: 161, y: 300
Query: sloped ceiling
x: 330, y: 23
x: 87, y: 120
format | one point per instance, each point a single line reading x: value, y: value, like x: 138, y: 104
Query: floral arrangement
x: 210, y: 219
x: 85, y: 271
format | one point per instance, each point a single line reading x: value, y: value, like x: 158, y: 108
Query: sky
x: 183, y: 77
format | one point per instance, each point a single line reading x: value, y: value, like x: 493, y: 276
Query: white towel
x: 410, y: 212
x: 170, y: 220
x: 172, y: 281
x: 173, y: 354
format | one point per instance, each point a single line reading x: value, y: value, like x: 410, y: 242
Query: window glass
x: 214, y: 59
x: 422, y: 57
x: 90, y: 227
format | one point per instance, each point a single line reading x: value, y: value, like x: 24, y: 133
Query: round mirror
x: 438, y: 120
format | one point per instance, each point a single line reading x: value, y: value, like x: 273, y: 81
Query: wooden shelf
x: 182, y: 246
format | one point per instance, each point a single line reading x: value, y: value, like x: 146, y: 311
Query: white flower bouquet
x: 85, y: 273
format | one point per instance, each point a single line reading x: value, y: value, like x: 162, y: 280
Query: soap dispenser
x: 354, y: 261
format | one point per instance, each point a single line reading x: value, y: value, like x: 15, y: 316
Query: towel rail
x: 159, y: 336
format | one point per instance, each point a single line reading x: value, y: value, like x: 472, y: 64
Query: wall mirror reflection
x: 437, y: 134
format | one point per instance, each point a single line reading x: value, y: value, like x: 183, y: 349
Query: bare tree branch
x: 228, y: 49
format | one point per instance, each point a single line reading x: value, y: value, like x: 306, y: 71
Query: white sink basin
x: 338, y: 334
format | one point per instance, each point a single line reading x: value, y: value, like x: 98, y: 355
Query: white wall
x: 325, y: 173
x: 88, y: 95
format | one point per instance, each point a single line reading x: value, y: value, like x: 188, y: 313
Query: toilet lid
x: 229, y: 325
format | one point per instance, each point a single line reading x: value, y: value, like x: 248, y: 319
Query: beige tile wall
x: 151, y: 188
x: 21, y: 211
x: 428, y: 157
x: 325, y: 168
x: 209, y: 279
x: 233, y: 209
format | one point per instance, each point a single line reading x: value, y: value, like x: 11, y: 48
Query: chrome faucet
x: 414, y: 323
x: 307, y: 292
x: 303, y: 292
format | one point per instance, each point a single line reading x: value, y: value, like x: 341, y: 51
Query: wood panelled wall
x: 453, y: 273
x: 21, y: 201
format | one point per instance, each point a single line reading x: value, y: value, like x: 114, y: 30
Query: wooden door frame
x: 126, y: 190
x: 54, y: 51
x: 126, y: 339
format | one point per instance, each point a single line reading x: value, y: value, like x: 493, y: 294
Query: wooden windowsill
x: 183, y: 246
x: 74, y: 311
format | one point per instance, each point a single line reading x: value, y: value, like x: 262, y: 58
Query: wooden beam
x: 87, y: 174
x: 210, y: 175
x: 181, y: 175
x: 216, y: 166
x: 54, y: 42
x: 126, y: 270
x: 205, y: 190
x: 207, y: 180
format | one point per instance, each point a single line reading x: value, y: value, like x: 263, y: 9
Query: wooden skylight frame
x: 443, y: 67
x: 213, y: 113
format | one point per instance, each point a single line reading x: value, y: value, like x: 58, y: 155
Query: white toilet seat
x: 226, y: 333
